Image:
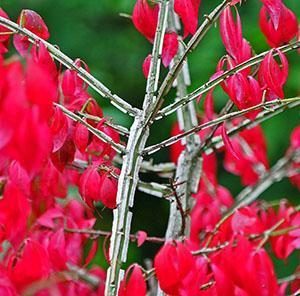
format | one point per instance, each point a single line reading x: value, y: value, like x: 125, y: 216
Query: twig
x: 205, y: 251
x: 217, y: 142
x: 69, y: 63
x: 154, y: 148
x: 151, y: 280
x: 155, y: 189
x: 207, y: 285
x: 267, y: 233
x: 276, y: 174
x: 164, y: 169
x: 101, y: 135
x: 120, y: 129
x: 179, y: 207
x: 84, y: 275
x: 96, y: 233
x: 289, y: 278
x: 214, y: 82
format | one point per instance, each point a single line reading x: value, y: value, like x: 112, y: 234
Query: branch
x: 179, y: 207
x: 289, y: 278
x: 84, y: 275
x: 232, y: 115
x: 166, y: 169
x: 193, y: 43
x: 188, y: 170
x: 69, y: 63
x: 267, y: 233
x: 118, y: 128
x: 101, y: 135
x: 96, y: 233
x: 129, y: 176
x: 214, y: 82
x: 155, y: 189
x: 217, y: 142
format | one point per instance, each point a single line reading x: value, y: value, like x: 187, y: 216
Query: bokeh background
x: 94, y: 31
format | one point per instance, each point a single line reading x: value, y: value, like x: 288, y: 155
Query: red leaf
x: 15, y: 210
x: 272, y: 76
x: 108, y: 191
x: 209, y: 108
x: 30, y: 20
x: 170, y: 48
x: 57, y: 249
x: 52, y: 182
x: 94, y: 109
x: 227, y: 142
x: 141, y: 237
x: 146, y: 66
x: 173, y: 263
x: 295, y: 138
x: 48, y: 219
x: 65, y: 155
x: 42, y: 57
x: 231, y: 34
x: 188, y: 11
x: 89, y: 185
x: 30, y: 266
x: 19, y: 177
x: 144, y: 18
x: 92, y: 253
x: 43, y: 93
x: 4, y: 37
x: 32, y: 141
x: 81, y: 137
x: 59, y: 128
x: 134, y: 284
x: 278, y: 23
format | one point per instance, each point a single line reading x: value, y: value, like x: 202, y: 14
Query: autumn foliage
x: 56, y: 171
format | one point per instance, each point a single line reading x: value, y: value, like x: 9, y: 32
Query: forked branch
x: 232, y: 115
x: 214, y: 82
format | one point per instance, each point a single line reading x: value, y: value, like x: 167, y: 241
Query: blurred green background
x: 94, y: 31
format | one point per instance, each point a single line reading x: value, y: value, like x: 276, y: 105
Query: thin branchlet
x: 101, y: 135
x: 216, y: 81
x: 214, y: 122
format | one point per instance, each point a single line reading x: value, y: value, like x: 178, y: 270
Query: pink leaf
x: 144, y: 18
x: 133, y: 284
x: 146, y: 65
x: 30, y: 20
x: 141, y: 237
x: 92, y: 252
x: 170, y: 48
x: 57, y: 249
x: 89, y: 185
x: 188, y: 11
x: 81, y: 137
x: 227, y: 142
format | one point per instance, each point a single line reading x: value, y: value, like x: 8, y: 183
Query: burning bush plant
x: 62, y: 160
